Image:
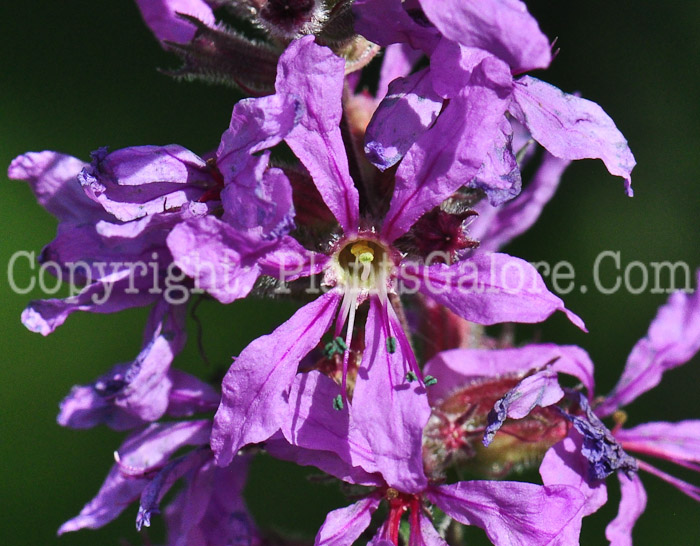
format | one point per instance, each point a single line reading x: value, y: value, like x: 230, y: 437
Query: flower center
x: 365, y: 266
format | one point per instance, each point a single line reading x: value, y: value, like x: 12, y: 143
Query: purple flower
x: 362, y: 264
x: 476, y: 47
x: 346, y: 448
x: 162, y: 18
x: 673, y: 339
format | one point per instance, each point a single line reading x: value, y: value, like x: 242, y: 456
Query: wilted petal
x: 408, y: 110
x: 161, y: 17
x: 570, y: 127
x: 503, y: 28
x: 510, y: 512
x: 53, y: 178
x: 345, y: 525
x: 311, y: 77
x: 253, y: 391
x: 540, y: 389
x: 488, y: 289
x: 497, y: 226
x: 672, y: 340
x: 388, y: 409
x: 632, y: 505
x: 139, y: 456
x: 452, y: 151
x: 673, y: 441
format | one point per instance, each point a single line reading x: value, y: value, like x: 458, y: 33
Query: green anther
x: 410, y: 377
x: 365, y: 258
x: 338, y: 403
x: 336, y: 346
x: 341, y: 344
x: 391, y: 344
x: 430, y: 380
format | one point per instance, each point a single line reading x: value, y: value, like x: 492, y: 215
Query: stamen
x: 338, y: 403
x: 391, y: 345
x: 411, y: 376
x: 364, y: 255
x: 429, y: 380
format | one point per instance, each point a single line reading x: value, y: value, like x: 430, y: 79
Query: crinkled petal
x: 673, y: 441
x: 511, y: 512
x: 672, y: 340
x: 451, y: 152
x: 161, y: 17
x: 53, y: 178
x: 255, y: 388
x: 386, y: 22
x: 632, y: 505
x: 488, y: 288
x: 570, y: 127
x: 345, y: 525
x: 388, y: 409
x: 497, y: 226
x: 408, y: 110
x: 145, y: 180
x: 504, y: 28
x: 540, y: 389
x: 139, y: 456
x: 219, y: 258
x: 311, y: 77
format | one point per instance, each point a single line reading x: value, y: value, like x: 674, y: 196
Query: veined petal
x: 511, y: 512
x: 139, y: 456
x: 426, y: 535
x: 289, y: 261
x: 311, y: 77
x: 408, y: 110
x: 345, y: 525
x: 563, y: 464
x: 161, y: 17
x: 390, y: 411
x: 497, y: 226
x: 503, y: 28
x: 452, y: 151
x: 672, y: 340
x: 570, y: 127
x: 632, y: 505
x: 253, y: 391
x: 53, y: 178
x: 672, y: 441
x: 488, y: 289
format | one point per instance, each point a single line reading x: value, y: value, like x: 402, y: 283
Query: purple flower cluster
x: 382, y: 214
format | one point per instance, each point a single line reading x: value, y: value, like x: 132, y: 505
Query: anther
x: 338, y: 403
x: 391, y: 344
x: 430, y: 380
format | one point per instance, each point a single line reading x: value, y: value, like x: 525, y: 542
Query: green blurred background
x: 78, y: 75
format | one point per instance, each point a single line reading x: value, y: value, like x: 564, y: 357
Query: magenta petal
x: 497, y: 226
x: 388, y: 409
x: 570, y: 127
x: 511, y: 512
x: 397, y: 63
x: 345, y: 525
x: 632, y: 505
x: 138, y: 455
x: 452, y: 151
x: 672, y: 340
x: 289, y: 261
x: 161, y: 17
x: 460, y: 366
x: 489, y: 288
x: 53, y: 179
x: 312, y: 77
x: 408, y: 110
x: 672, y: 441
x: 190, y: 395
x: 563, y: 464
x: 255, y: 387
x: 218, y: 257
x: 504, y: 28
x: 426, y: 535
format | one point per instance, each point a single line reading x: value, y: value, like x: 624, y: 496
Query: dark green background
x: 78, y: 75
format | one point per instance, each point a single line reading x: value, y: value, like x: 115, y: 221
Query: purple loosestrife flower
x: 473, y: 45
x: 509, y: 512
x: 362, y: 263
x: 591, y: 451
